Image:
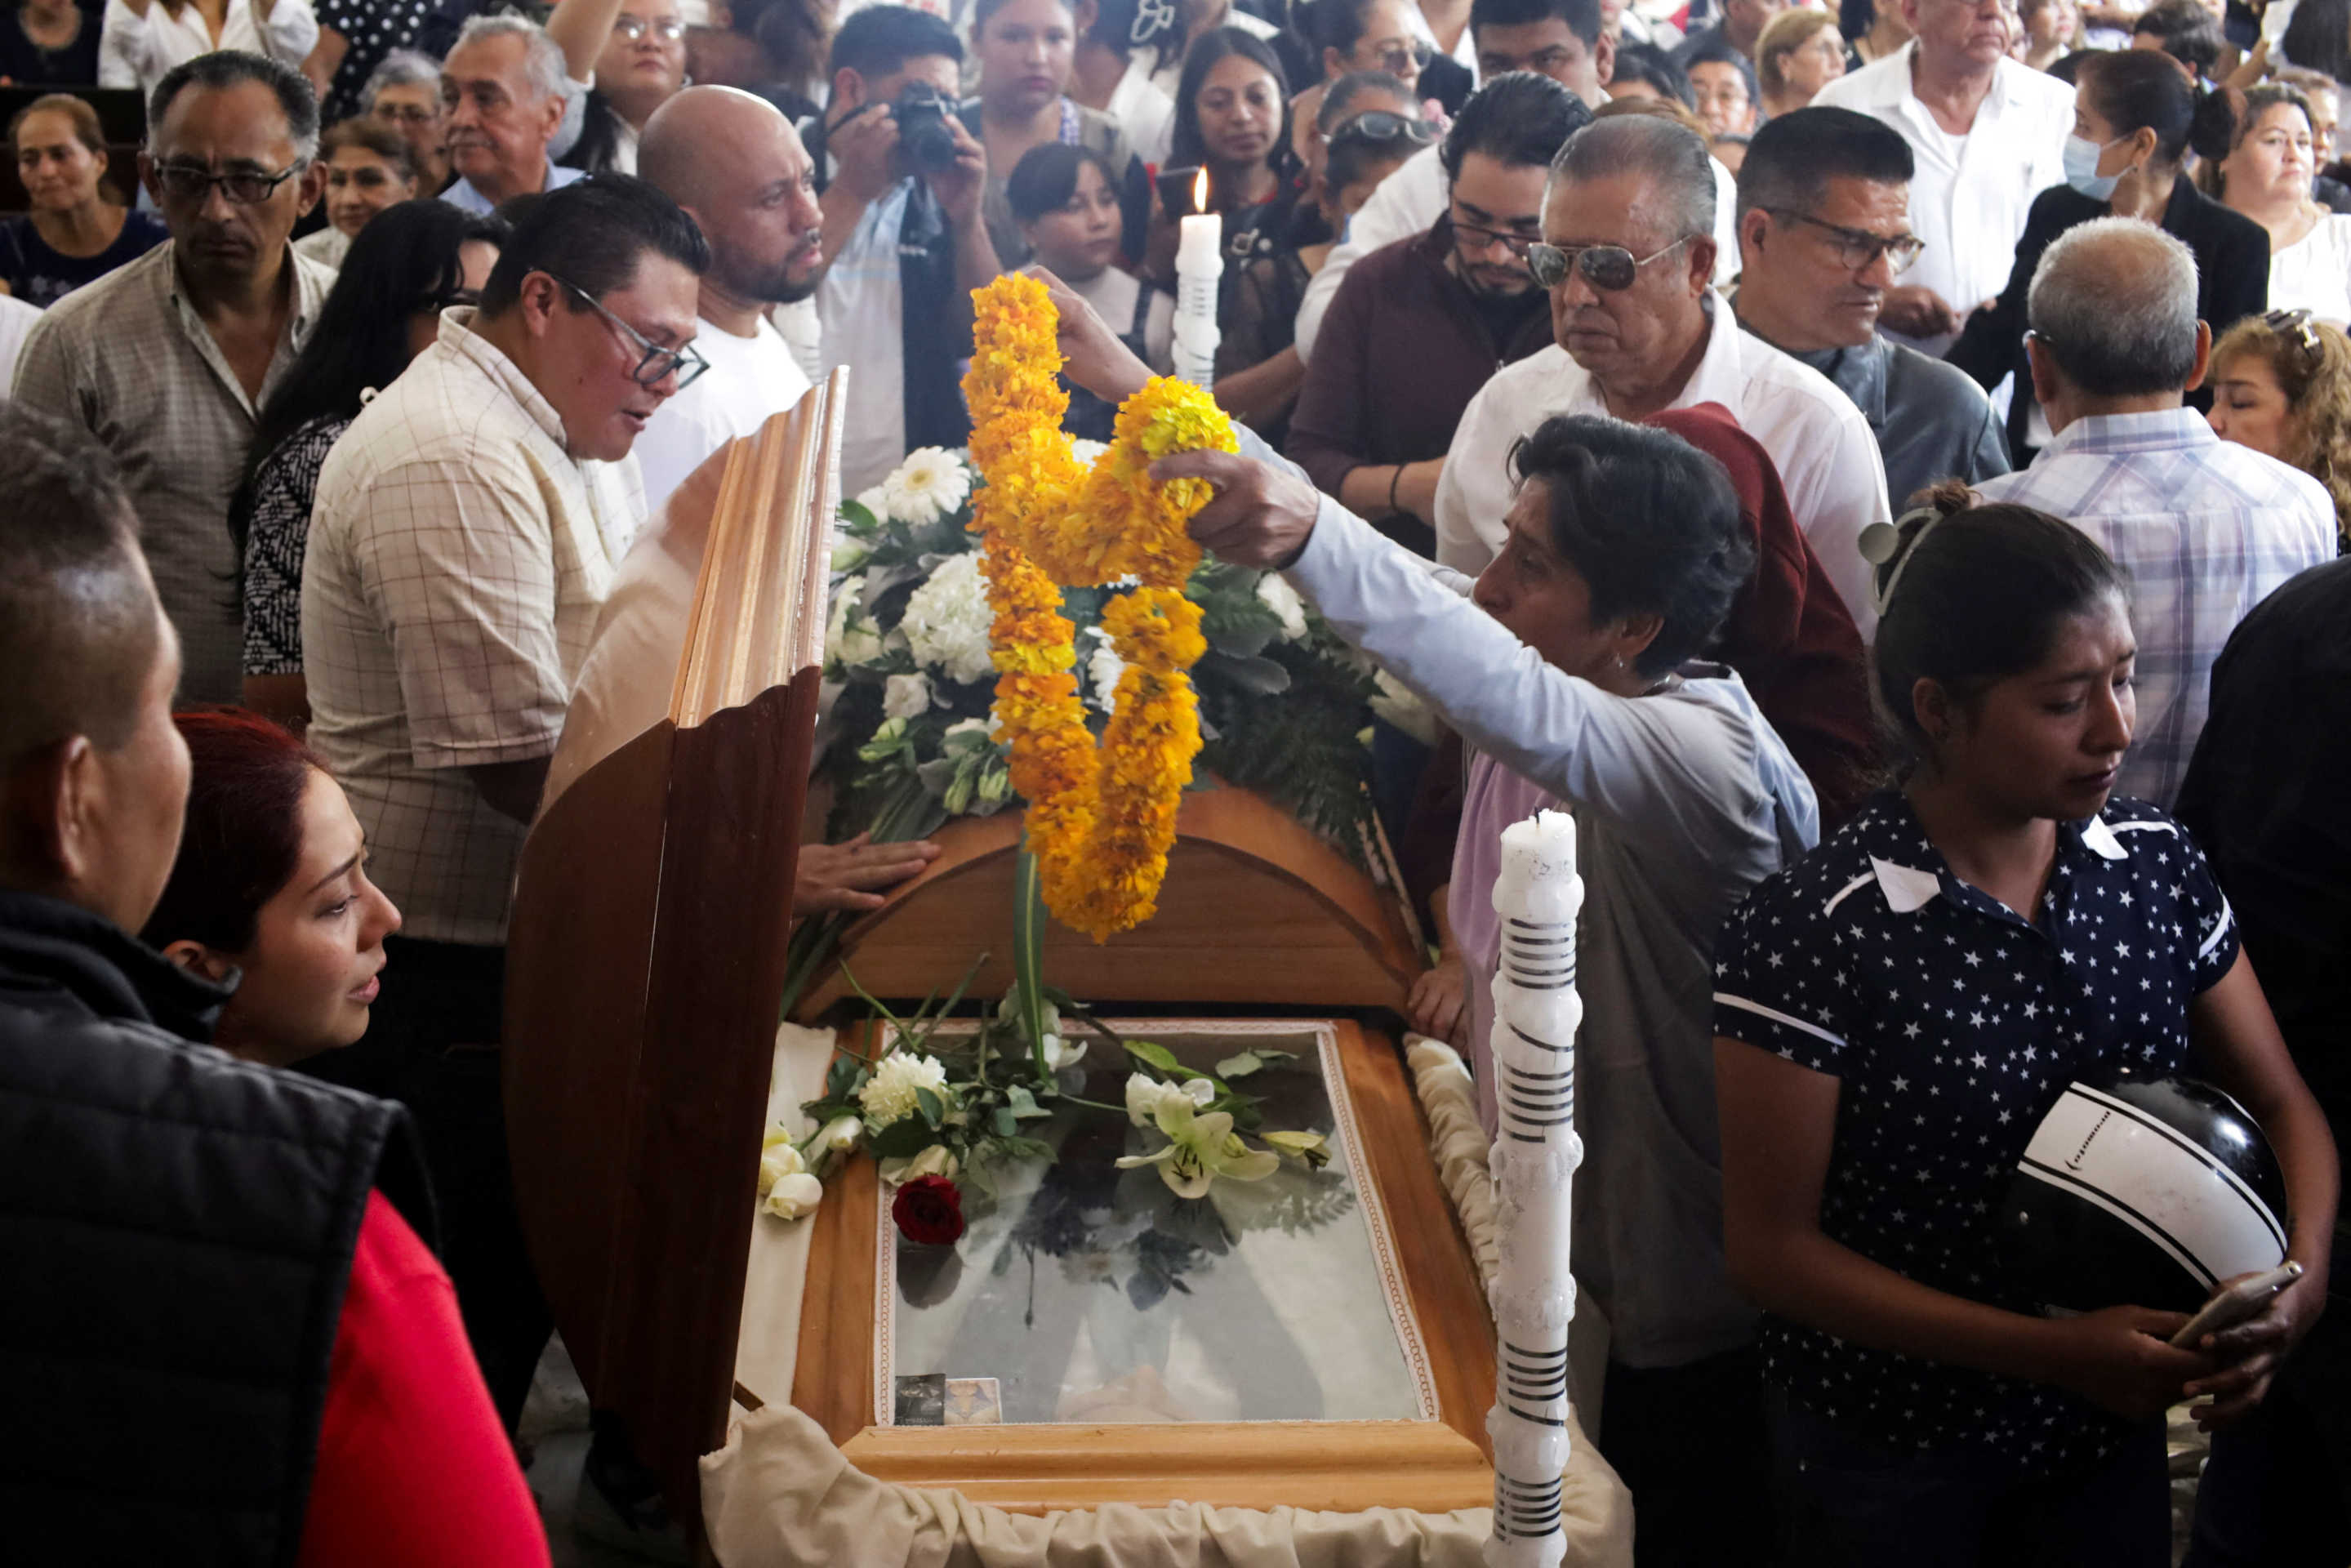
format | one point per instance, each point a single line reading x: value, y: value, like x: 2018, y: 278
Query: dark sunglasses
x: 1610, y: 268
x: 1377, y: 127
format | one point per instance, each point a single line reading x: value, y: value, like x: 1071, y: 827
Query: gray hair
x: 234, y: 68
x: 2113, y: 301
x: 543, y: 62
x: 402, y: 68
x: 1673, y: 157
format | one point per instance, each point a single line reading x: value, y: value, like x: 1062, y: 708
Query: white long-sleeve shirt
x: 1971, y: 193
x: 1817, y: 438
x: 1409, y: 201
x: 137, y: 51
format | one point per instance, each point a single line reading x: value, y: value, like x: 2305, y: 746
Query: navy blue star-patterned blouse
x: 1953, y: 1026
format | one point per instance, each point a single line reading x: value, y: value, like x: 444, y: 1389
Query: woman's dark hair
x: 2137, y: 89
x: 1338, y: 103
x: 376, y: 137
x: 594, y: 234
x: 1219, y: 44
x: 791, y: 32
x: 1047, y: 177
x: 1332, y: 25
x: 1981, y: 594
x: 1651, y: 523
x: 2227, y: 117
x: 2318, y: 36
x: 1855, y: 19
x: 79, y: 113
x: 1647, y: 63
x: 1517, y: 119
x: 405, y: 260
x: 242, y: 841
x: 2184, y: 30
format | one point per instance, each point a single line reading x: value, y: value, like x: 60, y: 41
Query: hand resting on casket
x: 851, y: 875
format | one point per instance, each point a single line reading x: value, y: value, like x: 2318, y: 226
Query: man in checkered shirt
x: 2205, y: 529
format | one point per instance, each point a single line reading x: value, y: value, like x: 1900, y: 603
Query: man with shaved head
x: 735, y: 165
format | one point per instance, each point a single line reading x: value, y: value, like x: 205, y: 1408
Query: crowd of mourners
x: 1882, y: 469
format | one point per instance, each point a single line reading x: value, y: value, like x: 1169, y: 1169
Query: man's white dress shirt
x: 1816, y: 437
x: 1971, y: 193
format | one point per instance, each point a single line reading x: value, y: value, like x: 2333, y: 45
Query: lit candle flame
x: 1200, y: 192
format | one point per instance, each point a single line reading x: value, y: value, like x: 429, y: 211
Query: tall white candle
x: 1536, y: 1011
x: 1199, y: 271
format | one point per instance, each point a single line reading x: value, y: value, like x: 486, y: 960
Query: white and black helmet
x: 2143, y: 1191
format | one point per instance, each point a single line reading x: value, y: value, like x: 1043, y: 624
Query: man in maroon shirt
x: 1419, y: 325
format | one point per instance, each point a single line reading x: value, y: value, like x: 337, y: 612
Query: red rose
x: 929, y: 1210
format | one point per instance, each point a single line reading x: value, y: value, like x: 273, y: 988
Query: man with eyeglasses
x: 1628, y: 258
x: 502, y: 89
x: 1824, y: 231
x: 1558, y: 38
x: 464, y: 535
x: 168, y: 360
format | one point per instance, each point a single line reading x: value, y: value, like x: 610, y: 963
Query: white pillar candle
x: 1536, y: 1011
x: 1199, y: 271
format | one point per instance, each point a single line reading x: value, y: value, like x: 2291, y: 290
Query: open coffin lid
x: 645, y: 964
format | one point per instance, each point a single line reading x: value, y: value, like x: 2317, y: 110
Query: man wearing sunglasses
x: 1824, y: 231
x: 168, y: 360
x: 463, y: 538
x: 1628, y: 254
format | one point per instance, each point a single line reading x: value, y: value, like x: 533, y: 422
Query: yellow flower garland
x: 1100, y: 820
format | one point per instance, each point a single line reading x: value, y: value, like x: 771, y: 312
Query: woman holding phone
x: 1895, y: 1015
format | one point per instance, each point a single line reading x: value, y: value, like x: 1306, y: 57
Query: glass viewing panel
x: 1083, y: 1293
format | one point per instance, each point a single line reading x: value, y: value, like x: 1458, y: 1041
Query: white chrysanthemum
x: 1277, y: 595
x: 850, y: 636
x: 905, y: 697
x: 888, y: 1094
x: 926, y: 486
x: 1103, y: 667
x: 948, y: 620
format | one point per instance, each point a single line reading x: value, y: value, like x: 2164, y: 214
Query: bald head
x: 2112, y: 309
x: 734, y: 162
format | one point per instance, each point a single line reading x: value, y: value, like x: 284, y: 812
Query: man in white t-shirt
x: 734, y: 162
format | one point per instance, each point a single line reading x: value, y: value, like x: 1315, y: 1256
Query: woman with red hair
x: 271, y: 893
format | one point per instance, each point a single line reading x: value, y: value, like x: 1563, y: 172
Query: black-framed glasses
x: 407, y: 113
x: 668, y: 29
x: 659, y: 364
x: 245, y: 187
x: 1405, y: 59
x: 1610, y: 268
x: 2299, y: 325
x: 1380, y: 127
x: 1478, y: 240
x: 1858, y: 248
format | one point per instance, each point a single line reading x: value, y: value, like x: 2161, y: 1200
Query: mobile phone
x: 1175, y: 191
x: 2233, y: 1305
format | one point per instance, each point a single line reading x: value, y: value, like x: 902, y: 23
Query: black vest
x: 176, y: 1229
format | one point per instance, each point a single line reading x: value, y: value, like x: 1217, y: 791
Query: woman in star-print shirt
x: 1895, y: 1014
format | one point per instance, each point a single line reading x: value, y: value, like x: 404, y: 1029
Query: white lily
x: 1312, y: 1150
x: 1200, y: 1148
x: 1145, y: 1094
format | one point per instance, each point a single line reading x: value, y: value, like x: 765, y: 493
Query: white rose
x: 841, y: 1135
x: 905, y: 697
x: 795, y: 1196
x: 948, y: 620
x: 1277, y: 595
x: 780, y: 1159
x: 888, y: 1094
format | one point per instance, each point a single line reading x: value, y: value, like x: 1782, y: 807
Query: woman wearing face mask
x: 2282, y: 386
x: 1025, y: 48
x: 2267, y: 176
x: 2031, y: 930
x: 2135, y: 119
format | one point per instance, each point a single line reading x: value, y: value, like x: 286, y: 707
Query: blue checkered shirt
x: 2205, y: 530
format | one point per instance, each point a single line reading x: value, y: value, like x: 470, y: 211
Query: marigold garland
x: 1101, y: 819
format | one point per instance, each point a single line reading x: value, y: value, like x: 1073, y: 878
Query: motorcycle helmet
x: 2144, y: 1191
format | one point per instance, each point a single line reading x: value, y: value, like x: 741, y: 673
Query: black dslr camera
x: 922, y: 113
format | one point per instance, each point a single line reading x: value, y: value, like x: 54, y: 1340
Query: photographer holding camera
x: 901, y: 183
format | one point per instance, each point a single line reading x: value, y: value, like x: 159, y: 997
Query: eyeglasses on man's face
x: 1406, y: 60
x: 193, y: 183
x: 1611, y: 269
x: 658, y: 364
x: 1478, y: 240
x: 1858, y: 248
x: 665, y: 29
x: 413, y: 114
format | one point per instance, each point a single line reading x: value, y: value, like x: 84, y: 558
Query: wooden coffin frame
x: 646, y: 965
x: 1341, y: 1466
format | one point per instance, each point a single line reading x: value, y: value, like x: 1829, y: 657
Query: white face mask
x: 2082, y: 156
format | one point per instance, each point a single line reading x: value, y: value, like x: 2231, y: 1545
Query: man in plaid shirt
x: 2205, y: 529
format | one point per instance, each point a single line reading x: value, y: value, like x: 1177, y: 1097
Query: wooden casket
x: 1323, y: 1343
